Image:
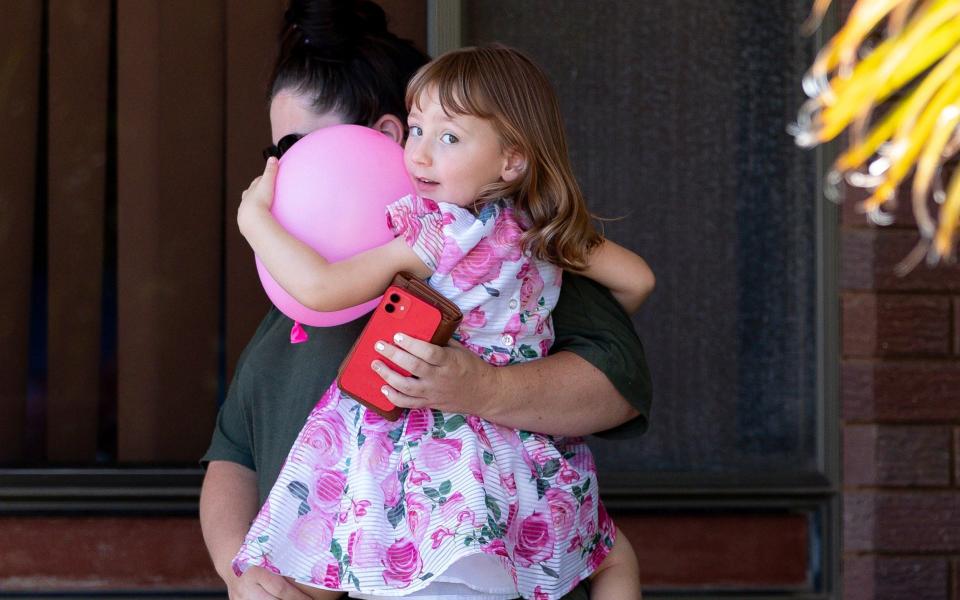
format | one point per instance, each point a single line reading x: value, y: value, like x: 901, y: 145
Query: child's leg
x: 317, y: 593
x: 618, y: 576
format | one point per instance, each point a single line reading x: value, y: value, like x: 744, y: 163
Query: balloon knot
x: 297, y: 334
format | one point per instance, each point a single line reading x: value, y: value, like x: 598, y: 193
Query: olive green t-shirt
x: 276, y: 383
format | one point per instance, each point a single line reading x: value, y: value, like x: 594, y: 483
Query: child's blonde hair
x: 502, y: 85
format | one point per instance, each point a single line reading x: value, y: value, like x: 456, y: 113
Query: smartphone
x: 399, y: 311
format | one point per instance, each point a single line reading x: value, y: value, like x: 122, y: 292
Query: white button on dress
x: 507, y: 340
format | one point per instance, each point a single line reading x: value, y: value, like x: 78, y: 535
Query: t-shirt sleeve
x: 420, y: 223
x: 231, y: 439
x: 589, y: 322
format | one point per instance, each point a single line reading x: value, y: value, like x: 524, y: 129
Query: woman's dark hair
x: 340, y: 54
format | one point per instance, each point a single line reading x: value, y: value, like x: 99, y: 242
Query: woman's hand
x: 561, y: 394
x: 448, y: 378
x: 258, y: 583
x: 257, y: 198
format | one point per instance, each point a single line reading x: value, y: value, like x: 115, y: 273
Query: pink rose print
x: 575, y: 544
x: 587, y: 514
x: 513, y: 326
x: 567, y: 475
x: 541, y: 453
x: 419, y: 421
x: 599, y: 553
x: 475, y: 468
x: 545, y: 347
x: 512, y: 511
x: 440, y: 453
x: 481, y: 264
x: 439, y: 535
x: 544, y: 324
x: 456, y: 507
x: 506, y: 236
x: 497, y: 548
x: 373, y: 422
x: 390, y: 486
x: 326, y: 574
x: 325, y: 434
x: 430, y: 205
x: 417, y: 477
x: 509, y: 483
x: 360, y: 508
x: 449, y: 256
x: 264, y: 563
x: 475, y: 319
x: 328, y: 488
x: 583, y: 461
x: 563, y: 510
x: 539, y: 595
x: 312, y: 532
x: 532, y: 286
x: 534, y: 540
x: 475, y: 348
x: 418, y: 515
x: 375, y: 453
x: 508, y: 435
x: 363, y: 551
x: 403, y: 218
x: 476, y: 424
x: 401, y: 563
x: 498, y: 359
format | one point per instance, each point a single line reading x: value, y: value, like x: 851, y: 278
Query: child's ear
x: 514, y: 165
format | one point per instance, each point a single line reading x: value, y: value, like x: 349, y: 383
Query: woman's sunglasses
x: 280, y: 148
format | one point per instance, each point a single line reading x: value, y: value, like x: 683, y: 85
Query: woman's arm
x: 304, y: 274
x: 228, y: 503
x: 562, y: 394
x: 595, y: 381
x: 624, y: 273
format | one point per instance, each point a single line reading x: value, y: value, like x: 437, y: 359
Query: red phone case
x: 398, y: 311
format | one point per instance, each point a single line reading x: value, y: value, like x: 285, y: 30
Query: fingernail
x: 379, y: 346
x: 375, y: 366
x: 398, y: 338
x: 385, y: 390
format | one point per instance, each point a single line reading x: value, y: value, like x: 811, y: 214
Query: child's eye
x: 449, y: 138
x: 415, y: 130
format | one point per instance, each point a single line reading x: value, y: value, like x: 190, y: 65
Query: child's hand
x: 257, y: 199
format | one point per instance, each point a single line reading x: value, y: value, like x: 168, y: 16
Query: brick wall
x: 900, y: 387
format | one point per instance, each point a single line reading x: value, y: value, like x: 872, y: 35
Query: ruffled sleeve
x: 420, y: 223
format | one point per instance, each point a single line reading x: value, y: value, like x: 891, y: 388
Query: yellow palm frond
x: 913, y: 74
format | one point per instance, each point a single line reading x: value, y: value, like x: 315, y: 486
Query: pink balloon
x: 332, y: 190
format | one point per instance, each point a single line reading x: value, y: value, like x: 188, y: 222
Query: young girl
x: 437, y: 504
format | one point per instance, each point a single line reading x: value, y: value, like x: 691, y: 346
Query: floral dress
x: 438, y: 504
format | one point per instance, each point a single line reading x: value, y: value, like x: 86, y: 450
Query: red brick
x: 955, y: 569
x: 869, y: 256
x: 890, y: 455
x: 896, y: 324
x: 902, y: 522
x: 691, y: 550
x: 956, y: 328
x: 888, y: 578
x: 956, y: 458
x: 108, y: 553
x: 901, y: 391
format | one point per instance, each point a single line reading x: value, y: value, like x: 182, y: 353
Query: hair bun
x: 335, y: 27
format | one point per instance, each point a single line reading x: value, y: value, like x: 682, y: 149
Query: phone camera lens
x: 389, y: 308
x: 394, y: 297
